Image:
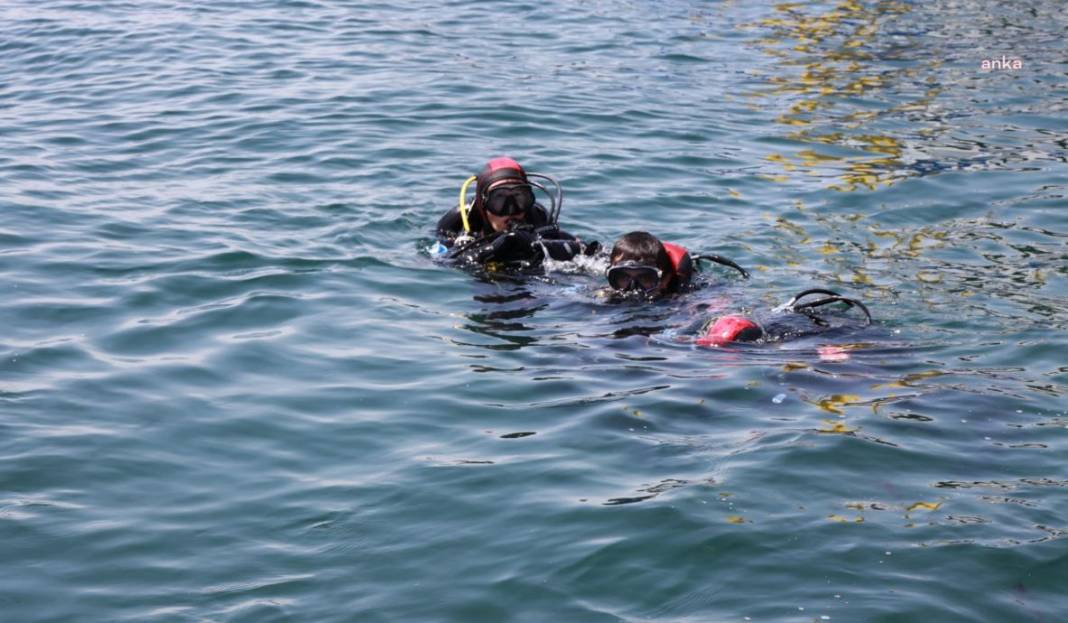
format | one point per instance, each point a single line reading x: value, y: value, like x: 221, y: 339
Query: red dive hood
x: 501, y: 168
x: 681, y: 262
x: 729, y: 329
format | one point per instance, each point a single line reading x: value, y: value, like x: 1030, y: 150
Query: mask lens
x: 510, y: 201
x: 619, y: 279
x: 645, y: 278
x: 648, y: 279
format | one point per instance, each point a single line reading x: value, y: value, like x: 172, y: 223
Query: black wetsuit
x: 786, y: 326
x: 780, y: 325
x: 527, y: 242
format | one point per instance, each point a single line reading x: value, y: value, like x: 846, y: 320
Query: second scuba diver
x: 641, y: 265
x: 505, y: 224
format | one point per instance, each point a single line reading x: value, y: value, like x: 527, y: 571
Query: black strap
x: 719, y: 259
x: 832, y: 297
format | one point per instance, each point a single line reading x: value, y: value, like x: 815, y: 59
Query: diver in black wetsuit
x: 795, y: 318
x: 505, y: 224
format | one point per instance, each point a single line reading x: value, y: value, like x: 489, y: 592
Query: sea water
x: 235, y: 384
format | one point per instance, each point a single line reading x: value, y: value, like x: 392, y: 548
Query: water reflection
x: 641, y: 320
x: 997, y: 272
x: 873, y: 93
x: 837, y: 56
x: 503, y: 313
x: 650, y: 492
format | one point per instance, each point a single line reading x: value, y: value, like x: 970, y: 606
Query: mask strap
x: 719, y: 259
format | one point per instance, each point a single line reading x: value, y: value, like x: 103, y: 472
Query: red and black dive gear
x: 509, y: 177
x: 504, y: 188
x: 727, y: 329
x: 735, y: 328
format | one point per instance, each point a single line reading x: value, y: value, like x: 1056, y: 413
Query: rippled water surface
x: 235, y: 387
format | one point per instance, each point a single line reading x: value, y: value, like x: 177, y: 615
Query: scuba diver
x: 640, y: 264
x: 505, y: 224
x: 795, y: 318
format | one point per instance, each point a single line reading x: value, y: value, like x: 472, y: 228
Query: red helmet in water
x: 729, y: 329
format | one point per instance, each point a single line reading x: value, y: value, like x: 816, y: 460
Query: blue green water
x: 235, y: 387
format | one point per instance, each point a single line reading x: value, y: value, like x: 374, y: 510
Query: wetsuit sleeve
x: 509, y: 247
x: 450, y: 225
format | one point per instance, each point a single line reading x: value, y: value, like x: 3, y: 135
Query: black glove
x: 564, y: 250
x: 519, y: 245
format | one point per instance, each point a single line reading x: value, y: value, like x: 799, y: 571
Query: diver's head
x: 728, y: 329
x: 504, y: 196
x: 640, y: 263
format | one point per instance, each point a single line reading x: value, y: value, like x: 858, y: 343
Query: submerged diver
x: 793, y: 319
x: 640, y: 263
x: 505, y: 223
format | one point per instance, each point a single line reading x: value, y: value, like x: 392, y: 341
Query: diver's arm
x: 508, y: 247
x: 525, y: 244
x: 562, y: 250
x: 559, y: 244
x: 450, y: 225
x: 562, y: 246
